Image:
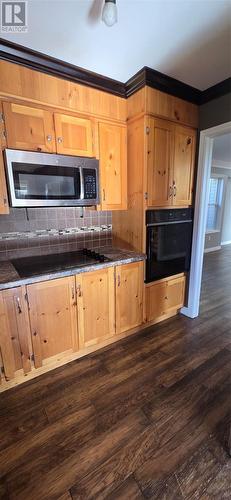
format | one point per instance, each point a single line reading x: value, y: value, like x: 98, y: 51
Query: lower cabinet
x: 96, y: 306
x: 53, y: 318
x: 163, y: 297
x: 129, y: 296
x: 15, y: 344
x: 48, y: 323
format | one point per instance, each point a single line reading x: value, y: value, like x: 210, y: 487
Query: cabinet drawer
x: 164, y: 296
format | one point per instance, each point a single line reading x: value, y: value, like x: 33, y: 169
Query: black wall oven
x: 169, y: 238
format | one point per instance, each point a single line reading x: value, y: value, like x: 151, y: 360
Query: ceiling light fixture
x: 109, y: 14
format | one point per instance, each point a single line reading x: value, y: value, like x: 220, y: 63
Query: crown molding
x: 164, y: 83
x: 32, y: 59
x: 18, y: 54
x: 216, y: 91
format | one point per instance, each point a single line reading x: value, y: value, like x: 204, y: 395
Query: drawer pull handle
x: 49, y: 138
x: 60, y: 139
x: 19, y: 305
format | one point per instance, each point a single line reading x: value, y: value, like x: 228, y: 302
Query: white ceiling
x: 222, y: 148
x: 187, y: 39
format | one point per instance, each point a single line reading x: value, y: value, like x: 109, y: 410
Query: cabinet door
x: 96, y: 306
x: 175, y: 292
x: 155, y: 300
x: 113, y: 166
x: 159, y: 162
x: 129, y: 296
x: 73, y: 135
x: 52, y: 309
x: 183, y: 166
x: 15, y: 343
x: 29, y: 128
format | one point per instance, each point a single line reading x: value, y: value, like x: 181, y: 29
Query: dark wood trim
x: 216, y: 91
x: 32, y: 59
x: 159, y: 81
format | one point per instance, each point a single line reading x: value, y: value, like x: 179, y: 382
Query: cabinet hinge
x: 146, y: 196
x: 32, y: 357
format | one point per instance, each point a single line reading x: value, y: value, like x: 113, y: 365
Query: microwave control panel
x: 90, y: 190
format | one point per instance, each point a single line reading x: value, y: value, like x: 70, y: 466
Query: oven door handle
x: 168, y: 223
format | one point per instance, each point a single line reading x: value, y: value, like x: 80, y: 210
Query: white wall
x: 226, y: 224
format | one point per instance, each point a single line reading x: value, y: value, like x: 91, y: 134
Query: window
x: 216, y: 185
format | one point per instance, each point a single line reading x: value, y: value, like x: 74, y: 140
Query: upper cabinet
x: 183, y: 165
x: 29, y: 128
x: 159, y: 162
x: 74, y: 135
x: 113, y: 166
x: 170, y: 163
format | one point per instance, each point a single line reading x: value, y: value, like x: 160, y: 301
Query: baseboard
x: 226, y: 243
x: 213, y: 249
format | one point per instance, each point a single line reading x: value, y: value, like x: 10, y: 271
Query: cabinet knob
x: 189, y: 140
x: 60, y: 139
x: 49, y: 138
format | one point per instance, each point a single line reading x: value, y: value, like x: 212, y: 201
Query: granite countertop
x: 9, y: 277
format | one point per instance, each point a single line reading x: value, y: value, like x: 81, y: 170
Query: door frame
x: 200, y: 215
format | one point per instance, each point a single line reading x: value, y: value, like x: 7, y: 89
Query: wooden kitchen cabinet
x: 129, y: 296
x: 183, y: 165
x: 74, y: 135
x: 53, y: 318
x: 29, y: 128
x: 113, y: 166
x: 15, y: 344
x: 96, y: 306
x: 163, y: 297
x: 160, y: 137
x: 170, y: 163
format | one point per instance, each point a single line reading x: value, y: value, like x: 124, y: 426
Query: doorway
x: 200, y: 215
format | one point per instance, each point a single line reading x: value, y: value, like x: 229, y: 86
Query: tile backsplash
x: 37, y: 231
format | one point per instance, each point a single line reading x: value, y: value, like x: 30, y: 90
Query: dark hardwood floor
x: 145, y: 418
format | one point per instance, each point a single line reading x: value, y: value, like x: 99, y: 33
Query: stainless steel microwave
x: 50, y: 180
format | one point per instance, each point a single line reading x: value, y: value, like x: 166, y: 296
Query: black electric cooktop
x: 43, y: 264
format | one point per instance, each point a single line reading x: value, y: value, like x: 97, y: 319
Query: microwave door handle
x: 81, y: 183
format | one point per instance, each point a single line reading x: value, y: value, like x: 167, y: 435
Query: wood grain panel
x: 29, y: 128
x: 159, y: 162
x: 183, y: 165
x: 113, y: 166
x: 74, y: 135
x: 53, y: 318
x: 96, y: 306
x: 129, y: 296
x: 20, y: 82
x: 170, y: 107
x: 128, y: 226
x: 16, y: 341
x: 161, y: 297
